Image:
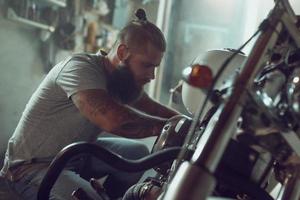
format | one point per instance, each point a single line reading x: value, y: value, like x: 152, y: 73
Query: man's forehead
x: 146, y: 47
x: 151, y: 58
x: 151, y: 63
x: 154, y: 53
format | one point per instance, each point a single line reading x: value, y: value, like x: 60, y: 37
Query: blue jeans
x: 116, y: 183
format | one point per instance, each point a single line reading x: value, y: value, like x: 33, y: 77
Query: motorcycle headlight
x: 192, y: 97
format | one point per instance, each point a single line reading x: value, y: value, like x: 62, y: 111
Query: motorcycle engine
x: 172, y: 135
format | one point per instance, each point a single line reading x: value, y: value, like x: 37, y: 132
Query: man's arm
x: 151, y: 107
x: 102, y: 110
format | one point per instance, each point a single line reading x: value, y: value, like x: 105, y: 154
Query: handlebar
x: 105, y: 155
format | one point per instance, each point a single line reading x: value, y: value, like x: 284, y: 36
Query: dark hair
x: 141, y: 31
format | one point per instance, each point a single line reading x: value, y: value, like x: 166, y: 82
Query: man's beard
x: 122, y: 86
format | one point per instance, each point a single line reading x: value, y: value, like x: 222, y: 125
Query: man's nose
x: 151, y: 74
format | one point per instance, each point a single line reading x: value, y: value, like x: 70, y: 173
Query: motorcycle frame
x: 195, y: 177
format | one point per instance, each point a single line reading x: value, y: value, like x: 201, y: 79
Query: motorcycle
x: 249, y: 132
x: 257, y: 113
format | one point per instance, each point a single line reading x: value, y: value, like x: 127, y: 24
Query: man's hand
x: 285, y: 170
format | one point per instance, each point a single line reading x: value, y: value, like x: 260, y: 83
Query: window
x: 197, y: 26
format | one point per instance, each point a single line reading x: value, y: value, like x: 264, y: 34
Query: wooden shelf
x: 60, y: 3
x: 11, y: 14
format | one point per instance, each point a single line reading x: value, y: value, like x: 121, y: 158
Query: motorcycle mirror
x: 199, y: 76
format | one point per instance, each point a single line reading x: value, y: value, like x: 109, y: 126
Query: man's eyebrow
x: 151, y: 64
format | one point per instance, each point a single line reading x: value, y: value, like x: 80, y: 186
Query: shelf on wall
x: 11, y: 14
x: 60, y: 3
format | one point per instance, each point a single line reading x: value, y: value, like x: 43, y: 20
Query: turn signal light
x: 199, y: 76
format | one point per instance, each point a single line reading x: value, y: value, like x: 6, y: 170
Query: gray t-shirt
x: 50, y: 120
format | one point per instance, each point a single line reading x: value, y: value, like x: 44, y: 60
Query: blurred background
x: 36, y: 34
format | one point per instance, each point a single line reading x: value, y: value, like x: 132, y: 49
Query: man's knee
x: 128, y: 148
x: 141, y: 150
x: 135, y: 150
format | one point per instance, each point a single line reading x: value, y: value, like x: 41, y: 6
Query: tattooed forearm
x: 141, y: 130
x: 98, y: 106
x: 154, y: 108
x: 106, y: 105
x: 102, y: 110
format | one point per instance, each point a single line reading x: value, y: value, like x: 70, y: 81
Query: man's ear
x: 122, y: 52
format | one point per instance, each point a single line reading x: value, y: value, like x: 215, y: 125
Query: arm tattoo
x: 102, y: 104
x: 101, y: 108
x: 141, y: 130
x: 154, y: 108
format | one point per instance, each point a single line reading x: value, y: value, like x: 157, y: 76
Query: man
x: 80, y: 97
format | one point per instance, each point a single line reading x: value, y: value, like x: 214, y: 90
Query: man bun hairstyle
x: 141, y: 14
x: 140, y: 31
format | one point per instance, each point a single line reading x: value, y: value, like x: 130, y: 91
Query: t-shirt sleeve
x: 80, y: 74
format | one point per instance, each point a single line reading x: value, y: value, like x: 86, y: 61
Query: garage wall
x: 22, y: 69
x: 20, y: 73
